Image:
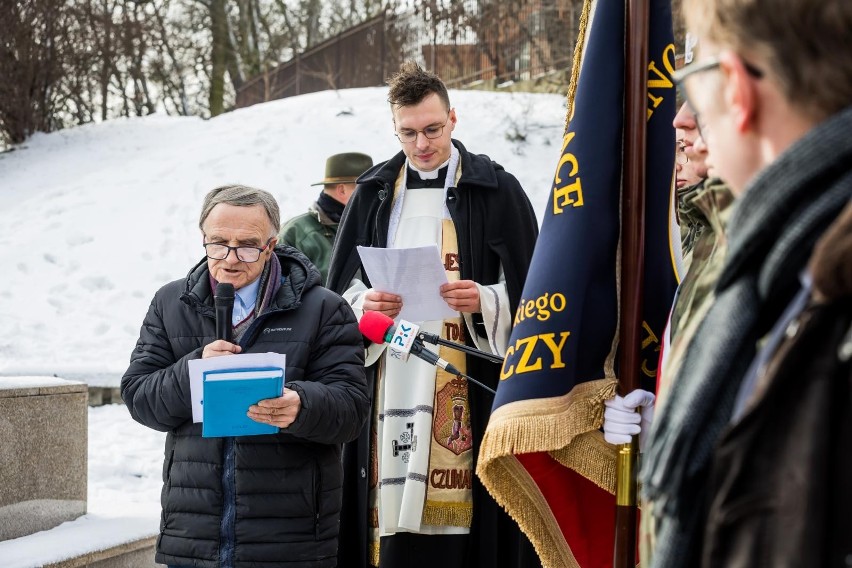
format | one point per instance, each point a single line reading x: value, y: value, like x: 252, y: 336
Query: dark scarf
x: 771, y: 235
x: 330, y: 206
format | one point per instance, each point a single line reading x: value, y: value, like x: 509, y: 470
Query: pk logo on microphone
x: 402, y: 340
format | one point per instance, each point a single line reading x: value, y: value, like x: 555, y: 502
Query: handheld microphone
x: 402, y: 339
x: 223, y: 299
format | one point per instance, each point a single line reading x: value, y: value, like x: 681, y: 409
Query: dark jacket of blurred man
x: 772, y: 99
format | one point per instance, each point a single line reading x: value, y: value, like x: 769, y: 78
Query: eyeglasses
x: 680, y: 76
x: 218, y: 251
x: 433, y: 131
x: 680, y: 156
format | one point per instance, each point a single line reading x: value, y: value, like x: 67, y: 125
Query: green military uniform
x: 710, y: 210
x: 691, y: 218
x: 707, y: 209
x: 313, y: 234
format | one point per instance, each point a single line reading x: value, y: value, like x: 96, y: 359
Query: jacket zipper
x: 227, y: 531
x: 227, y: 535
x: 317, y: 496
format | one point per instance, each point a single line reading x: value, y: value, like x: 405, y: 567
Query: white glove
x: 621, y: 421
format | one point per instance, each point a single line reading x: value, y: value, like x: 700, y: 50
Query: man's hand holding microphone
x: 281, y: 411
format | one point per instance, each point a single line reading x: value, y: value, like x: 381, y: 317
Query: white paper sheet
x: 415, y: 274
x: 197, y: 367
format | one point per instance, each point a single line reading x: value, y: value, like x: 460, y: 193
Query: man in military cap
x: 313, y: 232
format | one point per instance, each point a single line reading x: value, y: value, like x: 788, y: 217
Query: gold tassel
x: 374, y: 554
x: 442, y: 513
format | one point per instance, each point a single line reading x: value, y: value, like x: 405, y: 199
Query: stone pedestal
x: 43, y: 453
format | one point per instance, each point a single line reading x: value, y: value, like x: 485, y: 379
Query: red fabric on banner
x: 585, y: 512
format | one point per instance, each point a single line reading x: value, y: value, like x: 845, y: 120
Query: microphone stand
x: 435, y: 340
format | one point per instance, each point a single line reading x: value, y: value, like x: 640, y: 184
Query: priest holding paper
x: 410, y: 494
x: 272, y: 498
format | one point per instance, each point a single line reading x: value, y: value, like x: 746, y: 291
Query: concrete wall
x: 43, y: 453
x: 136, y: 554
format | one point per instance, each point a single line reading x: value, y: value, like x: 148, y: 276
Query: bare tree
x: 31, y: 47
x: 66, y: 63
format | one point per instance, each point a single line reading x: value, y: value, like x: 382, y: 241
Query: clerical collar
x: 435, y: 178
x: 431, y: 174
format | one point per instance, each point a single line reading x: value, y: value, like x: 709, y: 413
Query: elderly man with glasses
x: 748, y: 462
x: 264, y: 500
x: 425, y: 506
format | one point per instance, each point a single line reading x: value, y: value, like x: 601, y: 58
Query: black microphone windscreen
x: 224, y: 291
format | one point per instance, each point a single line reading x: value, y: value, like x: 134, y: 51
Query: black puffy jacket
x: 256, y: 501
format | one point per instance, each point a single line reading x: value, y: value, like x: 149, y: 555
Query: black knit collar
x: 330, y: 206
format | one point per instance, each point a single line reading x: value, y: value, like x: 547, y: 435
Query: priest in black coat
x: 485, y: 228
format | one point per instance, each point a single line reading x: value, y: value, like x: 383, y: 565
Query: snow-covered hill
x: 94, y: 219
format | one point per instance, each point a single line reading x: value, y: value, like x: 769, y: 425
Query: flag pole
x: 632, y: 264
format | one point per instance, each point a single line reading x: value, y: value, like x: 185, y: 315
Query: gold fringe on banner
x: 592, y: 457
x: 546, y: 425
x: 577, y: 61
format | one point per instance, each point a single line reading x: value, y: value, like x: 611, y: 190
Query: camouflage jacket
x: 691, y: 218
x: 708, y: 209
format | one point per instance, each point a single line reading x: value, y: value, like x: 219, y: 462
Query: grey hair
x: 241, y: 196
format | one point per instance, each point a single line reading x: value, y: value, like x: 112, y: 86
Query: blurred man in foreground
x: 747, y: 460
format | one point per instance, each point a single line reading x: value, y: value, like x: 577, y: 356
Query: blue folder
x: 229, y: 393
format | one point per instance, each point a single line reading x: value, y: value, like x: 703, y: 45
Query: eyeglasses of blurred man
x: 682, y: 75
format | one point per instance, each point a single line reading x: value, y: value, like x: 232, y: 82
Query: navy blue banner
x: 566, y: 325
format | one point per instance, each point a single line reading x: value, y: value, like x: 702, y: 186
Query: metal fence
x: 476, y: 41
